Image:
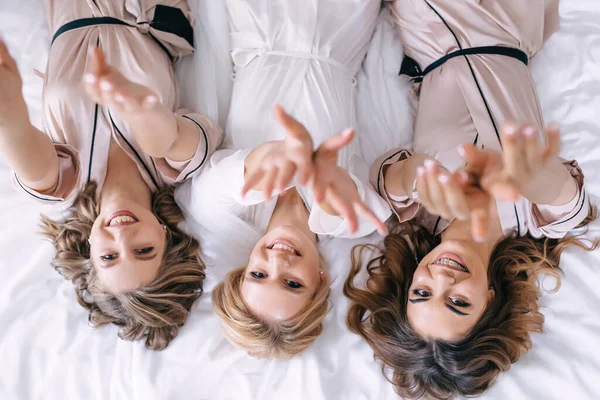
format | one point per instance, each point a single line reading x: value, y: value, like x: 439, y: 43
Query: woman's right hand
x: 274, y: 164
x: 13, y: 110
x: 450, y: 196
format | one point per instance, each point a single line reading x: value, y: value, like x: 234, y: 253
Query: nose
x: 279, y: 260
x: 121, y: 233
x: 443, y: 275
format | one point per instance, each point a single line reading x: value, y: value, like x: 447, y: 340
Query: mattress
x: 48, y: 351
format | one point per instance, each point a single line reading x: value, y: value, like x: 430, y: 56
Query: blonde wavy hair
x: 440, y: 369
x: 262, y: 338
x: 154, y: 312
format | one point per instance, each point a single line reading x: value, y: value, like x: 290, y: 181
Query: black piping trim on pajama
x: 487, y: 107
x: 574, y: 215
x: 379, y: 173
x: 27, y: 190
x: 89, y: 177
x: 166, y: 19
x: 205, y: 149
x: 137, y: 155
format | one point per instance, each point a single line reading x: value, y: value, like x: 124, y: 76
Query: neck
x: 123, y: 180
x: 291, y: 211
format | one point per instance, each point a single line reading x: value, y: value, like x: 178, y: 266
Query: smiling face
x: 282, y: 275
x: 450, y: 290
x: 127, y: 245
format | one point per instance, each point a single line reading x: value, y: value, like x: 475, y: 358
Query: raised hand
x: 521, y: 169
x: 453, y: 196
x: 108, y: 87
x: 275, y: 164
x: 13, y: 111
x: 333, y: 187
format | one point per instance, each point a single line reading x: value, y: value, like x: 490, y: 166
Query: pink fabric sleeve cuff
x: 404, y: 207
x: 211, y: 136
x: 556, y: 221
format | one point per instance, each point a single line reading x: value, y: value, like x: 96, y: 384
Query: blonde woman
x: 112, y: 146
x: 303, y: 55
x: 484, y: 205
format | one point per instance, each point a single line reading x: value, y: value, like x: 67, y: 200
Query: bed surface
x: 48, y: 351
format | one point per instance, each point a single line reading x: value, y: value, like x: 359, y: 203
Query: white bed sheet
x: 47, y: 350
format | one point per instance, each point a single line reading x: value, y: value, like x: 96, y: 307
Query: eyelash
x: 145, y: 250
x: 112, y: 257
x: 291, y: 284
x: 455, y: 302
x: 459, y: 303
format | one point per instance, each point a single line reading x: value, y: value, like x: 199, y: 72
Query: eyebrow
x: 449, y: 307
x: 455, y: 311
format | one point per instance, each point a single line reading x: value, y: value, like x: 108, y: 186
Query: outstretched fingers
x: 251, y: 181
x: 292, y: 127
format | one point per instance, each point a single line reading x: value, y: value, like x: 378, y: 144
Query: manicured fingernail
x: 510, y: 130
x: 347, y: 132
x: 420, y: 171
x: 89, y: 78
x: 530, y: 132
x: 119, y: 98
x: 461, y: 151
x: 443, y: 179
x: 105, y: 85
x: 463, y: 176
x: 553, y: 127
x: 430, y: 164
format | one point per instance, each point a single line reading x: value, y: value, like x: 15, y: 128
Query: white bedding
x: 47, y: 350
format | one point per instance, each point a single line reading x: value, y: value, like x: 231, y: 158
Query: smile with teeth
x: 121, y: 220
x: 283, y: 247
x: 451, y: 263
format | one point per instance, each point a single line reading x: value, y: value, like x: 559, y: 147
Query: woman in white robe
x: 303, y: 55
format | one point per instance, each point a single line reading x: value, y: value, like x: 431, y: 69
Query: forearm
x: 252, y: 163
x: 30, y: 154
x: 162, y: 134
x: 554, y: 187
x: 400, y: 176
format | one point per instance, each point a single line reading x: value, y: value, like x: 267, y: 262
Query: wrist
x: 552, y: 186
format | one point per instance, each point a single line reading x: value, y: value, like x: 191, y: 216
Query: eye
x: 293, y: 285
x: 258, y: 275
x: 109, y: 257
x: 459, y: 303
x: 145, y: 250
x: 421, y: 293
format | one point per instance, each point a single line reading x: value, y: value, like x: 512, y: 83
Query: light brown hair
x: 154, y: 312
x: 262, y: 338
x: 441, y: 369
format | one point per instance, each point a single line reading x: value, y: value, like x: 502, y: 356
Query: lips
x: 452, y: 261
x: 283, y: 246
x: 122, y: 218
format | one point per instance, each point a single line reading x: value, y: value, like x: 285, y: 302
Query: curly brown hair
x: 154, y: 312
x: 441, y: 369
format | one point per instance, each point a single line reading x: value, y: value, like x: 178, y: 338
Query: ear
x: 491, y: 293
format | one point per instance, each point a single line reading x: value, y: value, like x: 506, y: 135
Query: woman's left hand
x: 334, y: 189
